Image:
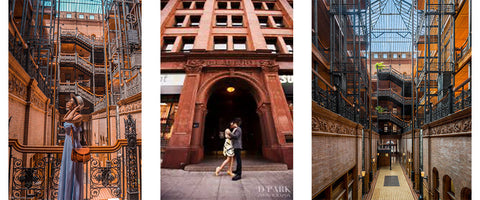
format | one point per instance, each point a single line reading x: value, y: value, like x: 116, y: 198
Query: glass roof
x: 391, y: 25
x: 81, y: 6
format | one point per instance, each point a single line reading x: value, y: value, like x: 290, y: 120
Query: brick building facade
x: 210, y: 46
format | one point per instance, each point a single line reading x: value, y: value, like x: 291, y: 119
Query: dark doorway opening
x: 223, y: 106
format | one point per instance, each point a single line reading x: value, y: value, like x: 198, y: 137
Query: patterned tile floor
x: 401, y: 192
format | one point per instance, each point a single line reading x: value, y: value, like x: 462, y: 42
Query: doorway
x: 231, y: 98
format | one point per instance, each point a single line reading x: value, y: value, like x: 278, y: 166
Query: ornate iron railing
x: 88, y: 40
x: 77, y: 89
x: 19, y: 48
x: 394, y: 95
x: 81, y: 62
x: 464, y: 49
x: 114, y: 171
x: 133, y: 85
x: 391, y: 117
x: 455, y: 100
x: 395, y: 73
x: 332, y: 98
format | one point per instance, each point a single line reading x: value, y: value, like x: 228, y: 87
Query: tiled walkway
x: 401, y: 192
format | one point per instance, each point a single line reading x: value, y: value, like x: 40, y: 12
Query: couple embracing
x: 232, y: 149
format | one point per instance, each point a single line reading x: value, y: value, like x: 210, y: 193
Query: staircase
x: 80, y: 62
x: 77, y: 89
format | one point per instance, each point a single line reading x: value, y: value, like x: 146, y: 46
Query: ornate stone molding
x: 17, y: 87
x: 194, y: 66
x: 269, y: 66
x: 130, y: 108
x: 457, y: 123
x: 326, y: 121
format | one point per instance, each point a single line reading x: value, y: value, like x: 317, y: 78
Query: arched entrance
x: 230, y: 98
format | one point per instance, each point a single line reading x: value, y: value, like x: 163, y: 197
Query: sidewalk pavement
x: 180, y: 184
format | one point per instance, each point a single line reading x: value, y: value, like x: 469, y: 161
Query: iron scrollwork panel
x: 108, y: 177
x: 28, y: 182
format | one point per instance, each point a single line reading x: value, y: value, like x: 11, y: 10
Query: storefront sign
x: 287, y: 83
x: 229, y: 62
x: 171, y: 83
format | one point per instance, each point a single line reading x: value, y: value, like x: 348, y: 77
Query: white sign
x: 171, y: 83
x: 171, y: 79
x: 286, y: 79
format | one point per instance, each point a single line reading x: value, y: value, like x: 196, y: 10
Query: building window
x: 289, y: 43
x: 385, y: 55
x: 220, y: 43
x: 221, y: 20
x: 272, y: 44
x: 187, y: 44
x: 179, y: 21
x: 258, y: 5
x: 199, y: 5
x: 186, y: 4
x: 69, y: 15
x: 279, y: 22
x: 404, y: 55
x: 235, y: 5
x: 239, y: 43
x: 221, y: 5
x: 194, y: 21
x: 375, y: 55
x: 237, y: 21
x: 81, y: 16
x: 168, y: 44
x: 92, y: 17
x: 263, y: 20
x: 271, y: 6
x: 395, y: 56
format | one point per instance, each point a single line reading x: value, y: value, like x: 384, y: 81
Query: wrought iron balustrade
x: 395, y: 73
x: 88, y: 40
x: 114, y: 171
x: 455, y: 100
x: 391, y: 117
x: 394, y: 95
x: 332, y: 98
x: 133, y: 85
x: 20, y: 49
x: 81, y: 62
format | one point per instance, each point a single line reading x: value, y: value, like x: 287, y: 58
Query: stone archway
x: 261, y: 130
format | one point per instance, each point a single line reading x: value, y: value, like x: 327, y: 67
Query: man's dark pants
x: 238, y: 158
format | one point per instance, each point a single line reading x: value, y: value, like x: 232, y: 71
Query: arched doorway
x: 230, y: 98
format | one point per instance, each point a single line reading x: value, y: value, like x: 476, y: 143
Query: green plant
x: 380, y: 109
x: 379, y: 65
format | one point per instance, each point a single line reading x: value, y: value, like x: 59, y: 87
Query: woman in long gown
x: 71, y: 173
x: 227, y: 152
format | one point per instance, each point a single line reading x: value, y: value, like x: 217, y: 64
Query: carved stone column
x: 177, y: 152
x: 282, y: 118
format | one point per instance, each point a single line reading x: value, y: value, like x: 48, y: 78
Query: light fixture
x: 404, y: 154
x: 378, y: 154
x: 230, y: 89
x: 363, y: 173
x: 422, y: 174
x: 386, y: 154
x: 409, y: 160
x: 373, y: 160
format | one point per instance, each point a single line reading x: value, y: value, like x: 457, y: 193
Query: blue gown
x: 70, y: 184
